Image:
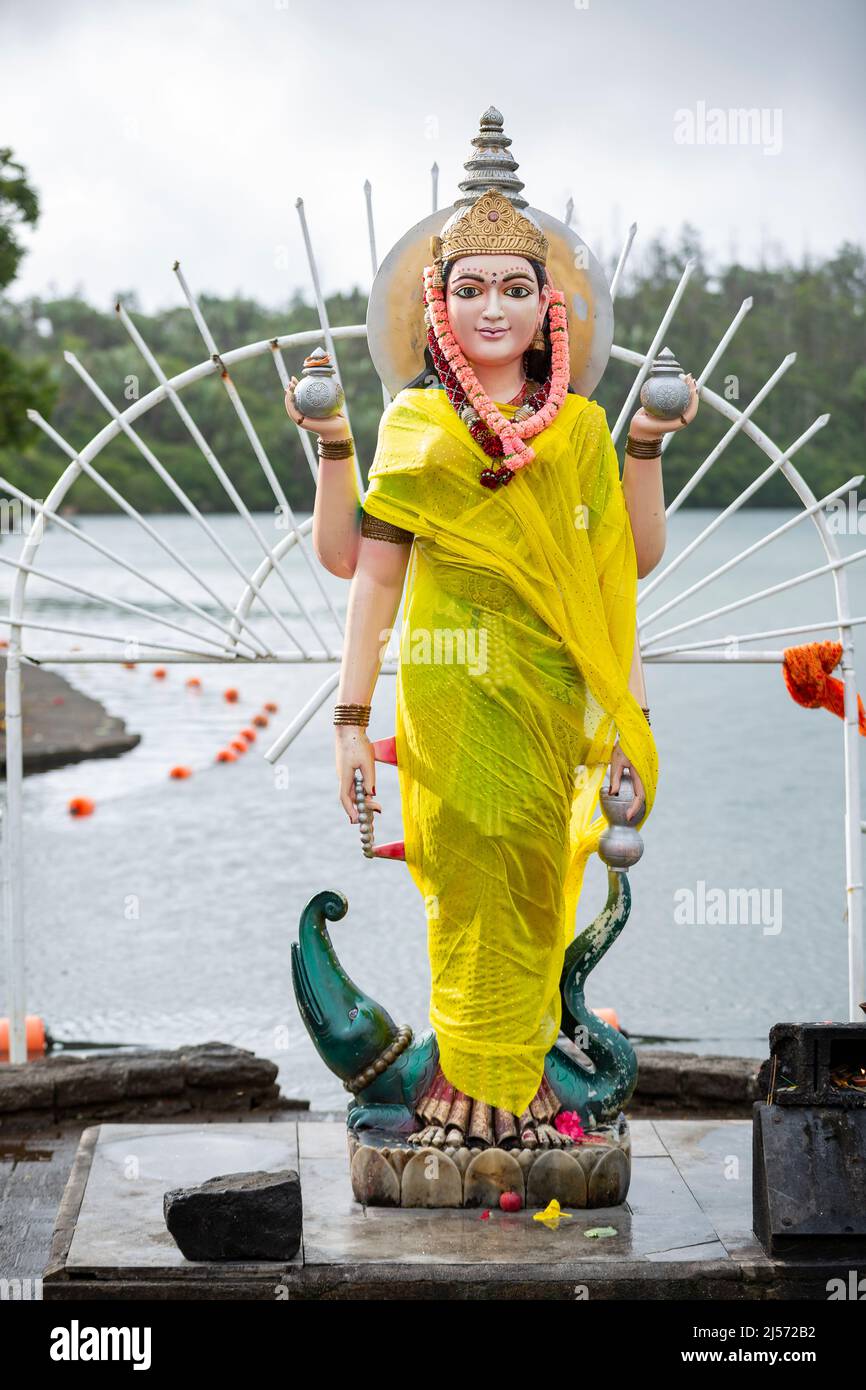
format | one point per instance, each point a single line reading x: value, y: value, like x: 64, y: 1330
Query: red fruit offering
x: 511, y: 1201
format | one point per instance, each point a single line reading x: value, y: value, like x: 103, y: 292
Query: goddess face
x: 495, y: 306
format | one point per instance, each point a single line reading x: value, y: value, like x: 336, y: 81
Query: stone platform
x: 683, y: 1232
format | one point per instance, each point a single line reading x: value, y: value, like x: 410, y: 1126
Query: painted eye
x: 519, y: 291
x: 466, y: 292
x: 353, y: 1013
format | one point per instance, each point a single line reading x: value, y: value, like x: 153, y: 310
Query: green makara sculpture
x: 387, y: 1070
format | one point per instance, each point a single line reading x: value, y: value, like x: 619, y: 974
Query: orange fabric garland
x: 807, y: 670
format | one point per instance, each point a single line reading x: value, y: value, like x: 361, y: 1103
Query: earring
x: 538, y: 344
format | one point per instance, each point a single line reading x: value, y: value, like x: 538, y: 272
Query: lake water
x: 166, y: 917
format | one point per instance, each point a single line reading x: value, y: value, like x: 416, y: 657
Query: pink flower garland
x: 512, y: 433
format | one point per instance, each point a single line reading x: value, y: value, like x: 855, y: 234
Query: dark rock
x: 56, y: 734
x: 210, y: 1076
x: 237, y: 1216
x: 89, y: 1082
x: 154, y: 1075
x: 695, y: 1080
x: 23, y: 1089
x: 218, y: 1064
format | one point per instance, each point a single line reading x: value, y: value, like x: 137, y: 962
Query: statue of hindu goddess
x: 495, y: 499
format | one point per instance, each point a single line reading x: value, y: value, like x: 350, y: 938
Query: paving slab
x: 683, y: 1232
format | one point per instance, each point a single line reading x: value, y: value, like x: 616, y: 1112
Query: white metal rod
x: 374, y: 261
x: 853, y: 845
x: 713, y: 658
x: 324, y: 320
x: 759, y: 636
x: 253, y: 643
x: 150, y: 457
x: 120, y: 603
x: 748, y: 492
x: 189, y: 653
x: 752, y: 549
x: 40, y: 507
x: 303, y: 435
x: 163, y: 656
x: 715, y: 357
x: 742, y: 416
x: 261, y: 456
x: 623, y: 257
x: 759, y: 594
x: 302, y: 718
x: 168, y: 389
x: 652, y: 350
x: 13, y: 855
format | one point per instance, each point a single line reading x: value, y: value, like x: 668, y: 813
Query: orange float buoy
x: 194, y: 682
x: 261, y: 721
x: 225, y: 755
x: 231, y: 694
x: 270, y: 707
x: 34, y: 1031
x: 180, y: 772
x: 81, y: 806
x: 160, y: 672
x: 249, y: 734
x: 130, y: 665
x: 239, y: 745
x: 608, y: 1016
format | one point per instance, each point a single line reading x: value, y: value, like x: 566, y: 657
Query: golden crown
x: 492, y: 225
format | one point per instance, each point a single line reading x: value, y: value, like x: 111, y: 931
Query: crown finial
x: 491, y: 166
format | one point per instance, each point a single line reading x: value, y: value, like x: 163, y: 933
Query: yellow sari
x: 518, y: 632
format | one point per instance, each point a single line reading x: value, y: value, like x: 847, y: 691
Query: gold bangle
x: 336, y: 448
x: 643, y: 448
x: 384, y: 530
x: 352, y: 714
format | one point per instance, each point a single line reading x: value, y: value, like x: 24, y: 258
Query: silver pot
x: 620, y: 845
x: 665, y: 394
x: 318, y: 393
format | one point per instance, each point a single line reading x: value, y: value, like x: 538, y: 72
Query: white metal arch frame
x: 234, y: 637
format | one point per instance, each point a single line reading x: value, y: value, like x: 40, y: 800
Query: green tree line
x: 816, y: 309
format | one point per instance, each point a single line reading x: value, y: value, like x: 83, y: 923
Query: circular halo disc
x: 396, y: 335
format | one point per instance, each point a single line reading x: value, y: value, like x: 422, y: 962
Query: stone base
x: 684, y: 1232
x: 388, y: 1172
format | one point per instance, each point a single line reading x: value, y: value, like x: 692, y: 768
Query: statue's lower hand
x: 646, y: 426
x: 353, y: 749
x: 619, y: 764
x: 334, y: 427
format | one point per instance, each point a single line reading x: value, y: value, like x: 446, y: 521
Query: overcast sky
x: 186, y: 129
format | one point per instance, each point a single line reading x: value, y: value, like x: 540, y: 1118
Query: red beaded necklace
x: 490, y: 442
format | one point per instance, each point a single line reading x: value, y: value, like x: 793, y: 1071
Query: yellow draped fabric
x: 517, y: 639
